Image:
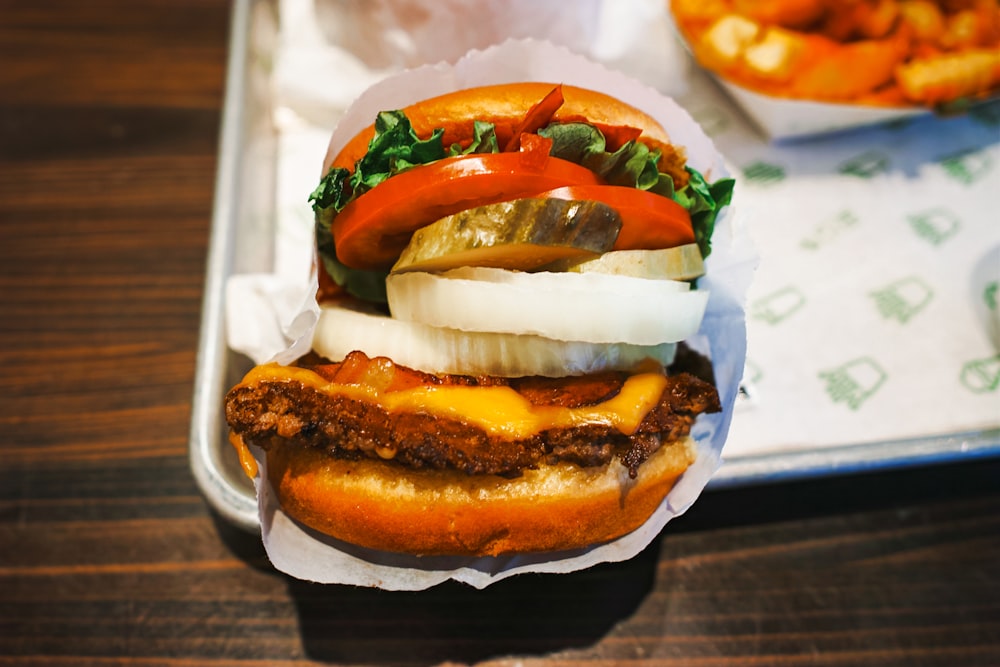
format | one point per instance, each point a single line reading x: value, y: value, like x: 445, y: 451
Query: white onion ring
x: 341, y: 330
x: 586, y: 307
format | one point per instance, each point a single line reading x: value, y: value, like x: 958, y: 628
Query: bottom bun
x: 432, y: 512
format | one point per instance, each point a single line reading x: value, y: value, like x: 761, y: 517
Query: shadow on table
x: 602, y: 608
x: 527, y: 614
x: 831, y: 495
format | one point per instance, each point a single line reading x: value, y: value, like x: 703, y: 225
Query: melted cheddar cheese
x: 247, y: 461
x: 500, y: 411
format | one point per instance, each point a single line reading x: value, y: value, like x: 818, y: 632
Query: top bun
x: 505, y: 103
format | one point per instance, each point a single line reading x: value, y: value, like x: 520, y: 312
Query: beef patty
x: 279, y: 414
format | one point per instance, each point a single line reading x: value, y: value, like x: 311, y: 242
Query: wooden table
x: 109, y: 122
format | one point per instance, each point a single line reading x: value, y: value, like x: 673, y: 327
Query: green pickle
x: 523, y: 234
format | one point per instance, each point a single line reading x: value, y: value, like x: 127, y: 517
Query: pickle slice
x: 521, y: 235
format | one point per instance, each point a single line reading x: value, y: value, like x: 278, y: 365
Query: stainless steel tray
x: 241, y: 241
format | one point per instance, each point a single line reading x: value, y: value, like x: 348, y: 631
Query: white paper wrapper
x: 781, y: 119
x: 409, y: 33
x: 306, y: 555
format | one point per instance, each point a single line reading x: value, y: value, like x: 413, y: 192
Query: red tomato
x: 372, y: 230
x: 649, y: 221
x: 537, y: 116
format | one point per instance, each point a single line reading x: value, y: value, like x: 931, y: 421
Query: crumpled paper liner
x: 409, y: 33
x: 304, y: 554
x: 785, y: 119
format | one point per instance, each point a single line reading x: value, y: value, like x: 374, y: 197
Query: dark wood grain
x: 109, y: 125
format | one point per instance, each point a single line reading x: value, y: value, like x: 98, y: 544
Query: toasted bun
x: 379, y: 506
x: 505, y: 104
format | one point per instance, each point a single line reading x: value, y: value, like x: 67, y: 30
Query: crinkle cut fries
x: 885, y: 52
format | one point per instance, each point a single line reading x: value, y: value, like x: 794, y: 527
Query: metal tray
x: 241, y: 241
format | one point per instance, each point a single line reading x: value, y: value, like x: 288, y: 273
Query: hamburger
x: 507, y: 274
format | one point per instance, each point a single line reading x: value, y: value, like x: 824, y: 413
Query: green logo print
x: 778, y: 306
x: 830, y: 229
x: 990, y: 295
x: 866, y: 165
x: 853, y: 382
x: 981, y: 375
x: 763, y: 173
x: 967, y: 167
x: 935, y: 225
x: 902, y: 299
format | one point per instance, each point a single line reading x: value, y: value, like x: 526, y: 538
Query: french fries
x: 924, y: 52
x: 949, y: 76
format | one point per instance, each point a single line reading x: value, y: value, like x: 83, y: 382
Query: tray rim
x: 768, y: 468
x: 232, y: 503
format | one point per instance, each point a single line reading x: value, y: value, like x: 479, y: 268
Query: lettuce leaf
x: 329, y: 197
x: 633, y: 165
x: 484, y: 140
x: 365, y: 285
x: 704, y: 201
x: 394, y: 148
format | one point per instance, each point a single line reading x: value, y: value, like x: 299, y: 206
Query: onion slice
x: 341, y: 330
x: 586, y: 307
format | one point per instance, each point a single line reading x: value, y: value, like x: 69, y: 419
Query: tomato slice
x: 537, y: 117
x: 372, y: 230
x: 649, y: 221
